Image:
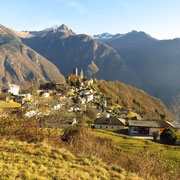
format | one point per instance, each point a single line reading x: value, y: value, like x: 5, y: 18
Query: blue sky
x: 159, y: 18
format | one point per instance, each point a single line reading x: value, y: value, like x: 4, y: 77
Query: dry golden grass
x: 20, y: 160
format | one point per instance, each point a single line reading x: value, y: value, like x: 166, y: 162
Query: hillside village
x: 76, y: 101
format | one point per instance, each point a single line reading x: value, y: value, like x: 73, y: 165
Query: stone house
x: 89, y: 97
x: 82, y: 101
x: 46, y: 94
x: 109, y: 123
x: 103, y: 104
x: 19, y: 99
x: 96, y: 95
x: 12, y: 88
x: 146, y: 127
x: 88, y: 82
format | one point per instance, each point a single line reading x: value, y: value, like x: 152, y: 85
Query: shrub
x: 69, y: 133
x: 21, y: 129
x: 168, y: 136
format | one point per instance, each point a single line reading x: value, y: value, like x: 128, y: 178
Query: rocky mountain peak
x: 63, y: 28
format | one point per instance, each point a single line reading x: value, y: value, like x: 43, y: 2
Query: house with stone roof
x: 109, y: 123
x: 147, y: 127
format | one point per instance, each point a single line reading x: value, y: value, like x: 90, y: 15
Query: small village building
x: 87, y: 92
x: 12, y: 88
x: 26, y: 96
x: 40, y: 91
x: 103, y: 104
x: 96, y: 95
x: 46, y: 95
x: 31, y: 113
x: 82, y: 84
x: 89, y: 97
x: 88, y: 82
x: 71, y: 109
x: 164, y: 124
x: 109, y: 111
x: 146, y: 127
x: 19, y: 99
x: 82, y: 101
x: 56, y: 107
x: 109, y: 123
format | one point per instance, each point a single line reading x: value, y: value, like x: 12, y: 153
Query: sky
x: 159, y: 18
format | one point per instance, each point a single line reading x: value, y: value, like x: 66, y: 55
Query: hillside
x: 135, y: 99
x: 67, y: 50
x: 20, y: 64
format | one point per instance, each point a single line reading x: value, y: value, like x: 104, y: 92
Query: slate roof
x: 110, y: 121
x: 165, y: 124
x: 139, y: 123
x: 150, y: 123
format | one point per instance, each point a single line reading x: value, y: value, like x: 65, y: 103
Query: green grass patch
x: 163, y: 156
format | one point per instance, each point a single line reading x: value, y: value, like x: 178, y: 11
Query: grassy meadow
x: 21, y: 160
x: 155, y: 157
x: 30, y: 152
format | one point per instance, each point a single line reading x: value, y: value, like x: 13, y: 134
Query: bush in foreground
x: 168, y: 136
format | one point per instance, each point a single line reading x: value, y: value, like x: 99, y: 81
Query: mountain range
x: 155, y: 62
x: 133, y: 58
x: 67, y: 49
x: 19, y: 63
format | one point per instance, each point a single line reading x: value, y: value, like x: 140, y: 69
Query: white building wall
x: 28, y: 96
x: 14, y: 90
x: 46, y: 95
x: 89, y: 98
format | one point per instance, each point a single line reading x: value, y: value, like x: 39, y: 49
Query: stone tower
x: 81, y: 74
x: 75, y: 71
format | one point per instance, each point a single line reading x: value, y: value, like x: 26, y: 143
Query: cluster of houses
x: 14, y: 90
x: 81, y: 96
